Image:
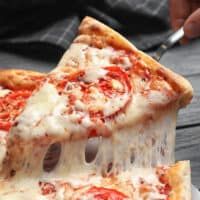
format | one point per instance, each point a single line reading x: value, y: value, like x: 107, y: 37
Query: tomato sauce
x: 47, y: 188
x: 101, y: 193
x: 166, y: 187
x: 11, y: 106
x: 69, y: 83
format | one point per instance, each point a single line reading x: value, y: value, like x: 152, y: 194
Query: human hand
x: 186, y: 13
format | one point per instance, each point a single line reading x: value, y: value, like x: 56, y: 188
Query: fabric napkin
x: 145, y: 23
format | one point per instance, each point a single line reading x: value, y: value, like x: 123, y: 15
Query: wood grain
x: 191, y: 114
x: 184, y: 59
x: 188, y: 148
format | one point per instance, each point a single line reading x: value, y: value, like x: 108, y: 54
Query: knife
x: 169, y: 42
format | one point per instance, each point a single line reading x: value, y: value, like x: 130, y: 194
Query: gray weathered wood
x: 188, y: 148
x: 191, y: 114
x: 184, y: 60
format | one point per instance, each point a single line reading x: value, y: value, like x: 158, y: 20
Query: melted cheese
x: 149, y: 177
x: 4, y: 92
x: 93, y: 74
x: 131, y: 137
x: 114, y: 104
x: 3, y: 137
x: 82, y: 56
x: 36, y: 118
x: 123, y: 150
x: 134, y: 144
x: 31, y: 195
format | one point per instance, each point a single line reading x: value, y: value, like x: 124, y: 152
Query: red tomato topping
x: 5, y: 125
x: 142, y: 71
x: 72, y: 98
x: 89, y: 97
x: 106, y: 87
x: 117, y: 73
x: 165, y: 188
x: 11, y: 106
x: 160, y: 172
x: 47, y: 188
x: 93, y: 133
x: 100, y: 193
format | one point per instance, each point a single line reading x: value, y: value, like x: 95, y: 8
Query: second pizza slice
x: 103, y: 88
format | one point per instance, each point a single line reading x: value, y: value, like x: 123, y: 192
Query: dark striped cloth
x: 145, y: 23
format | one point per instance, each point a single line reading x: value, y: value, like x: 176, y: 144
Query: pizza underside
x: 100, y: 126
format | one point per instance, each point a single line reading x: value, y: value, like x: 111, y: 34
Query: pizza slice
x: 162, y: 182
x: 16, y: 86
x: 127, y: 92
x: 155, y: 89
x: 18, y: 79
x: 159, y: 183
x: 103, y: 89
x: 97, y: 45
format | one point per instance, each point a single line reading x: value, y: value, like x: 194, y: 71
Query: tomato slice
x: 94, y: 96
x: 120, y: 77
x: 11, y: 106
x: 166, y: 187
x: 5, y: 125
x: 101, y: 193
x: 95, y: 99
x: 47, y: 188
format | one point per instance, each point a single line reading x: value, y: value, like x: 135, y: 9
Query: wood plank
x: 183, y: 59
x: 191, y: 114
x: 188, y: 148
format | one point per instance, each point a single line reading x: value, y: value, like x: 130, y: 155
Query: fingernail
x: 192, y: 30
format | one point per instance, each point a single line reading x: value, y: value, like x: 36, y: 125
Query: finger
x: 184, y: 41
x: 192, y: 25
x: 179, y: 11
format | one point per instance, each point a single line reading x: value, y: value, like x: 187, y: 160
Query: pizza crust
x: 179, y: 83
x: 179, y: 179
x: 96, y: 34
x: 177, y: 176
x: 16, y: 79
x: 101, y: 35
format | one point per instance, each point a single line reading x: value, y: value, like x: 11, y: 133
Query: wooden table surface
x: 186, y: 61
x: 182, y: 59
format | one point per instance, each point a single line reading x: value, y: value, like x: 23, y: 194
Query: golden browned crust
x: 101, y: 35
x: 16, y: 79
x: 179, y: 179
x: 95, y: 33
x: 179, y: 83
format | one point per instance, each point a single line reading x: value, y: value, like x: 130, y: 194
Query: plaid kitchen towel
x: 145, y: 23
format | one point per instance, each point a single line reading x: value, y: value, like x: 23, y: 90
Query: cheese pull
x: 142, y: 145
